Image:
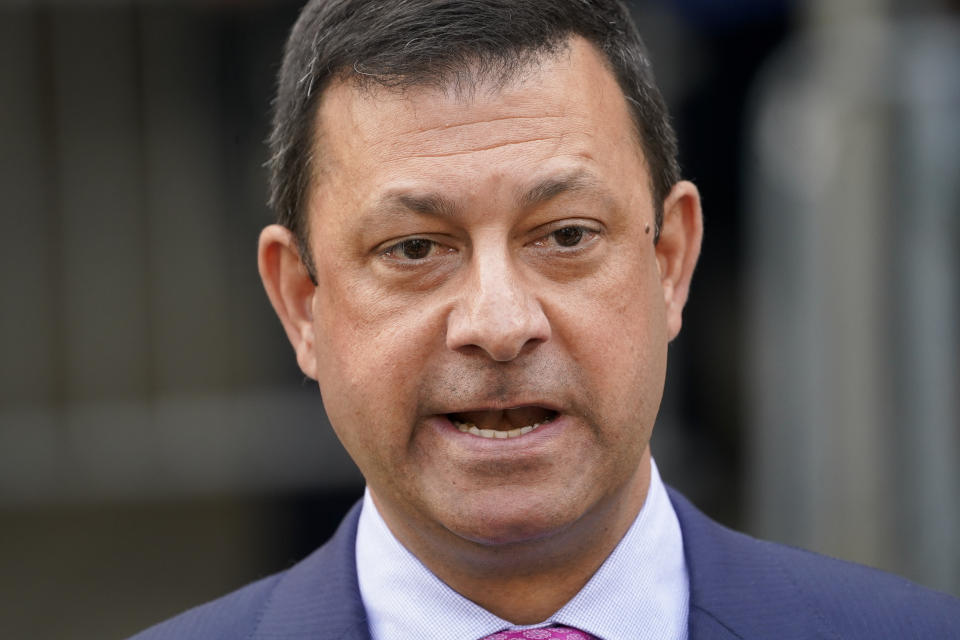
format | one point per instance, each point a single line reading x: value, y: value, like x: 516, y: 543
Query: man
x: 484, y: 249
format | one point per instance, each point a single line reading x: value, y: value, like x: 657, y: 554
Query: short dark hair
x: 400, y: 43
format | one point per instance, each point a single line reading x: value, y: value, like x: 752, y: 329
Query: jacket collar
x: 319, y: 597
x: 740, y: 587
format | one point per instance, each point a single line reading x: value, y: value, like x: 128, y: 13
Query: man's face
x: 489, y: 261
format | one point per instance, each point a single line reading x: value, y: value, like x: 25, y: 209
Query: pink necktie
x: 543, y: 633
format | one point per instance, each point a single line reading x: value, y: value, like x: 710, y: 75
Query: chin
x: 511, y: 520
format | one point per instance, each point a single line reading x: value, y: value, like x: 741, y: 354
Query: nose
x: 496, y: 311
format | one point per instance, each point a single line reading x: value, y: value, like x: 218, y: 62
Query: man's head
x: 446, y: 43
x: 488, y: 311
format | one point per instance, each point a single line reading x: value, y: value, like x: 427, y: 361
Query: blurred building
x: 854, y: 303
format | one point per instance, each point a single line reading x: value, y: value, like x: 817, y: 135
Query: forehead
x: 564, y: 107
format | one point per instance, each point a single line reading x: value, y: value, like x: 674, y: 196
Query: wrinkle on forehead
x: 480, y: 135
x: 457, y: 138
x: 491, y: 147
x: 447, y: 127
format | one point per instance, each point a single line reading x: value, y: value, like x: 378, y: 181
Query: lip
x: 502, y: 406
x: 536, y: 438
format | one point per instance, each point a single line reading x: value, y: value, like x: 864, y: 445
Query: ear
x: 290, y: 290
x: 678, y: 249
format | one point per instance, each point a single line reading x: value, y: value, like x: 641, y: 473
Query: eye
x: 414, y: 250
x: 568, y: 236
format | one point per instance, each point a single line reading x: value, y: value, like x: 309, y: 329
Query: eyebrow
x: 553, y: 186
x: 437, y: 205
x: 430, y: 204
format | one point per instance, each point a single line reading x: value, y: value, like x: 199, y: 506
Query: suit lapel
x: 739, y: 587
x: 706, y: 556
x: 319, y: 598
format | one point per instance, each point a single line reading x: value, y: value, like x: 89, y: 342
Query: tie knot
x: 543, y: 633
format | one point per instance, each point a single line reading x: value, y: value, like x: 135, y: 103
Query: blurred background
x: 159, y: 446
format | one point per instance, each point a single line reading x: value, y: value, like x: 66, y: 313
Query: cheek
x: 370, y: 357
x: 618, y: 334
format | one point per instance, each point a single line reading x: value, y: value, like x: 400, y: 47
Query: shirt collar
x: 640, y: 591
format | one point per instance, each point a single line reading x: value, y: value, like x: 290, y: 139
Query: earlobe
x: 678, y: 249
x: 290, y: 290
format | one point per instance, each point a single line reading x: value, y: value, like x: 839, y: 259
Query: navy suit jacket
x: 740, y: 587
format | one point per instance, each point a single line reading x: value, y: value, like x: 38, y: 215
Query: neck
x: 526, y: 583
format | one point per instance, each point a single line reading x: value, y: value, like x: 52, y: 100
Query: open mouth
x: 502, y: 423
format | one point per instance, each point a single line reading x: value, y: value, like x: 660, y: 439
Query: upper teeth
x: 493, y: 433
